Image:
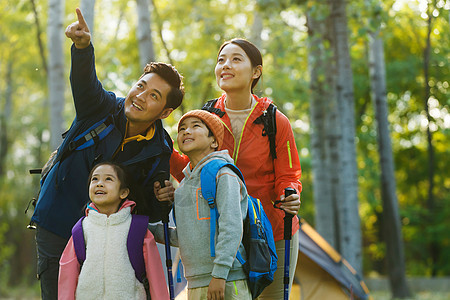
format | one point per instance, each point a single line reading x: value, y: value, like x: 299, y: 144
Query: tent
x: 322, y: 273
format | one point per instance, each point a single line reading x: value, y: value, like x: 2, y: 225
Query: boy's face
x: 193, y: 139
x: 105, y: 191
x: 146, y: 101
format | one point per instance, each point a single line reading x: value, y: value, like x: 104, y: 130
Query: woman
x: 238, y: 70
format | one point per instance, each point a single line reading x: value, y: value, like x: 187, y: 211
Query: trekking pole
x: 165, y: 210
x: 287, y: 243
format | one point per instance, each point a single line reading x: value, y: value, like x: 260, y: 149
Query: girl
x: 107, y: 272
x: 238, y: 70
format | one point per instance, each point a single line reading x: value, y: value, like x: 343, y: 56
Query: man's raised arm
x: 88, y: 94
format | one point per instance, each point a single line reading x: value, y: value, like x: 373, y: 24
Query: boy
x: 200, y: 134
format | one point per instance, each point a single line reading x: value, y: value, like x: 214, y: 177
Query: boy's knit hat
x: 212, y: 121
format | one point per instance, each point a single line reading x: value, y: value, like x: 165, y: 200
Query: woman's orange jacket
x: 265, y: 177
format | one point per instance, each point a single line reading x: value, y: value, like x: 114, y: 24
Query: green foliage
x: 404, y: 46
x: 6, y: 252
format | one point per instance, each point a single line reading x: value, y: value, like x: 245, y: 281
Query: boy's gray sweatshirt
x: 192, y: 233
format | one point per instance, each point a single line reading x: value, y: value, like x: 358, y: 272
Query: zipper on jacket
x: 234, y: 139
x: 289, y: 154
x: 104, y: 257
x: 236, y: 148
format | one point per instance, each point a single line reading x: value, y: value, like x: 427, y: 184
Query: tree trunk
x: 392, y: 231
x: 160, y: 33
x: 38, y: 35
x: 158, y: 22
x: 5, y: 116
x: 433, y: 246
x: 349, y: 221
x: 56, y: 76
x: 144, y: 33
x: 321, y: 92
x: 45, y: 105
x: 391, y: 219
x: 87, y: 8
x: 257, y: 27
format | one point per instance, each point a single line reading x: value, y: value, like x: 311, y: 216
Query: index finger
x: 81, y: 20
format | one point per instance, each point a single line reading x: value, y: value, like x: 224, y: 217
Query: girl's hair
x: 118, y: 168
x: 252, y: 52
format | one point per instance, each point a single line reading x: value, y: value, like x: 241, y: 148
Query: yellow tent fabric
x: 322, y: 273
x: 312, y: 282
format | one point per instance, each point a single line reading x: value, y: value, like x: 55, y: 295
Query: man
x: 125, y: 130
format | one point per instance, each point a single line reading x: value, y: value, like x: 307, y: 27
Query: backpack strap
x: 93, y: 134
x: 208, y: 186
x: 269, y: 120
x: 78, y: 241
x: 135, y: 242
x: 209, y: 106
x: 84, y: 140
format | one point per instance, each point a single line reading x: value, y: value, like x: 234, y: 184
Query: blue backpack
x: 258, y: 236
x: 86, y: 139
x: 135, y: 242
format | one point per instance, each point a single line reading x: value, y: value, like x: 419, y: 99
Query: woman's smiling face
x: 234, y: 70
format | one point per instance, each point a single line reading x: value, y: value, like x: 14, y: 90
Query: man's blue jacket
x: 64, y: 189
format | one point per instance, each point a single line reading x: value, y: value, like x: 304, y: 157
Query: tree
x: 433, y: 245
x: 257, y: 27
x: 39, y: 36
x: 321, y: 111
x: 87, y: 8
x: 144, y: 33
x: 391, y: 220
x: 5, y: 117
x: 348, y: 215
x: 333, y: 130
x: 56, y: 76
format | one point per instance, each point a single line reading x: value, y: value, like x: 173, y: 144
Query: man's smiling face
x: 146, y: 101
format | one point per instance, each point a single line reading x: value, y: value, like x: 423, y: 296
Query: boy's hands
x: 216, y: 289
x: 166, y: 193
x: 78, y: 32
x: 290, y: 204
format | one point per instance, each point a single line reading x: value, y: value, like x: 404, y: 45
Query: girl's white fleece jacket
x: 192, y: 234
x: 107, y: 272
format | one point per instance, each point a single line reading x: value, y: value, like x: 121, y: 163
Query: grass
x: 29, y: 292
x: 426, y: 295
x: 32, y: 293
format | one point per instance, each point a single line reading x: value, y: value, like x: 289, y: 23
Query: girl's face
x: 105, y: 191
x: 234, y: 70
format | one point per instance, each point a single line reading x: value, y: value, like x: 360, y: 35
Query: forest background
x: 300, y: 52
